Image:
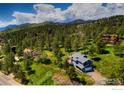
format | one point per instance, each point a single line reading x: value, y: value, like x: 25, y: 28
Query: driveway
x: 7, y: 80
x: 98, y: 78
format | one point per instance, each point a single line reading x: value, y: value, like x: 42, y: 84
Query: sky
x: 16, y: 14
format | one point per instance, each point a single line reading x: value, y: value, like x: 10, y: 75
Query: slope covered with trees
x: 37, y: 53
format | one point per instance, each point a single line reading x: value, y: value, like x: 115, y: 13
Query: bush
x: 45, y: 61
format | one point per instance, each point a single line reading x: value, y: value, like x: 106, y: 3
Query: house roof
x: 79, y: 57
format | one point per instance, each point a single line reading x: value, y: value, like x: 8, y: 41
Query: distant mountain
x: 80, y: 21
x: 8, y: 27
x: 77, y: 21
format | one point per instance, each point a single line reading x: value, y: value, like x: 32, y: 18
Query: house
x: 30, y: 52
x: 81, y: 62
x: 111, y: 38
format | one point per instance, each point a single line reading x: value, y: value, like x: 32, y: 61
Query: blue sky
x: 6, y: 10
x: 58, y: 12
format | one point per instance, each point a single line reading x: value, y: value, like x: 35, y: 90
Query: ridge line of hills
x: 77, y: 21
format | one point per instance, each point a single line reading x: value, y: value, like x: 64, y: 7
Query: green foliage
x: 44, y: 61
x: 42, y: 76
x: 54, y: 43
x: 121, y: 73
x: 78, y: 77
x: 108, y: 65
x: 8, y: 63
x: 119, y: 49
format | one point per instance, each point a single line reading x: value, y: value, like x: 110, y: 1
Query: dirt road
x: 99, y: 79
x: 7, y: 80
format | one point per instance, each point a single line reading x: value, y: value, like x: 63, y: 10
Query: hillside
x: 42, y: 51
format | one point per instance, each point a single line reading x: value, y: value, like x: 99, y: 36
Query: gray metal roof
x: 79, y: 57
x: 78, y: 65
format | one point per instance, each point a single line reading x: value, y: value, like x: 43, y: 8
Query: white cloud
x: 22, y: 18
x: 4, y: 24
x: 85, y: 11
x: 46, y: 12
x: 95, y: 11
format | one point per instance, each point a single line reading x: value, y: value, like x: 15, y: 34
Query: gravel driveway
x: 98, y: 78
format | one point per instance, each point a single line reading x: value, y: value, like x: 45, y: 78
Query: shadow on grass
x: 96, y: 59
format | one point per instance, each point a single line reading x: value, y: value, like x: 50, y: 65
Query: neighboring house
x: 81, y: 62
x: 111, y: 38
x: 30, y: 52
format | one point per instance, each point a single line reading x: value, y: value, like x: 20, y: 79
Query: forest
x: 36, y: 54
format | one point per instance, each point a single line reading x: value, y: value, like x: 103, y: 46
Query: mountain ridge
x: 77, y: 21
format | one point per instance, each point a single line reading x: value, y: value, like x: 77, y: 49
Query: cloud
x: 22, y: 18
x: 46, y: 12
x: 84, y: 11
x: 4, y: 24
x: 94, y: 11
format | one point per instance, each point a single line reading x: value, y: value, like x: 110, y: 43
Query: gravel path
x: 7, y: 80
x: 99, y: 79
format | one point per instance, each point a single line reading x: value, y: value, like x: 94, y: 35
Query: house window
x: 76, y: 62
x: 88, y: 63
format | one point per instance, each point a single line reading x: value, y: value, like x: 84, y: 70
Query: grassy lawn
x: 109, y: 63
x: 45, y: 75
x: 110, y: 48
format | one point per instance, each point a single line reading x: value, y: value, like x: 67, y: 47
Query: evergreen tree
x: 9, y: 63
